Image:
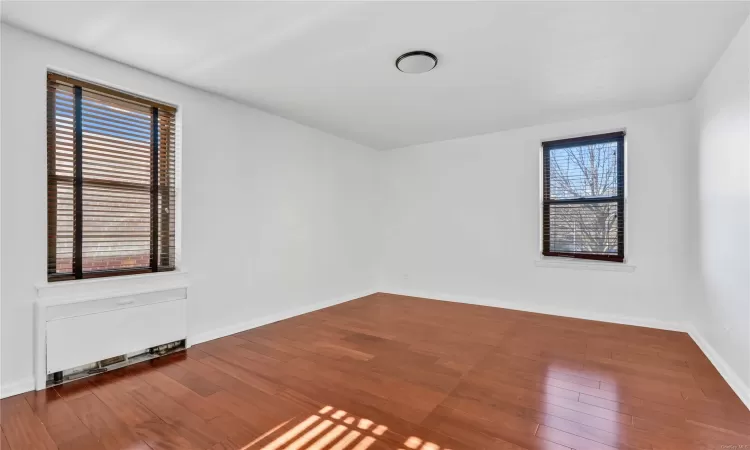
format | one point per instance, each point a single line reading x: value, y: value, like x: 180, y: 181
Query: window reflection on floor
x: 331, y: 429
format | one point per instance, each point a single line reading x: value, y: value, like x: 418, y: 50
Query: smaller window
x: 584, y: 197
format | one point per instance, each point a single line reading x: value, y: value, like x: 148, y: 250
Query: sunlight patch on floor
x: 332, y: 429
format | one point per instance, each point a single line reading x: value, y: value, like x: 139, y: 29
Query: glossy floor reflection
x: 398, y: 373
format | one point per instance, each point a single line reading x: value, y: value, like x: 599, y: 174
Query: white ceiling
x: 331, y: 65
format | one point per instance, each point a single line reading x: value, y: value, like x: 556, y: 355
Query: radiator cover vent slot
x: 114, y: 363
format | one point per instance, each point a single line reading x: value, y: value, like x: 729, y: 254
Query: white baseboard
x: 564, y: 312
x: 17, y: 387
x: 736, y: 382
x: 260, y: 321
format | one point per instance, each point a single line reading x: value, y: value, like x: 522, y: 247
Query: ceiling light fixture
x: 418, y: 61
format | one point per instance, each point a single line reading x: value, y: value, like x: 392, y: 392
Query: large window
x: 584, y: 198
x: 111, y: 182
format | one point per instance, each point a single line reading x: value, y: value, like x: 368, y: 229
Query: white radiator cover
x: 84, y: 322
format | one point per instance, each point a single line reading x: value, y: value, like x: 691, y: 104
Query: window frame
x: 157, y: 263
x: 620, y: 198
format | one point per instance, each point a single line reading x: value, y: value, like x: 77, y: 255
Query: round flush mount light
x: 418, y: 61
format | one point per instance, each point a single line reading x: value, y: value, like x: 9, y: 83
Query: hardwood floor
x: 391, y: 372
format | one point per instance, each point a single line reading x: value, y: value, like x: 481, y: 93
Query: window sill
x: 74, y: 291
x: 569, y: 263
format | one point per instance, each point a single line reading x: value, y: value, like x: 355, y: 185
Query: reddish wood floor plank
x: 109, y: 430
x: 3, y: 442
x: 388, y: 372
x: 22, y: 428
x: 61, y: 423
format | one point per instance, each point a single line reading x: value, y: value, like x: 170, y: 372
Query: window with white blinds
x: 584, y: 197
x: 111, y: 182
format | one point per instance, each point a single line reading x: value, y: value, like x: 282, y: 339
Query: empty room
x: 375, y: 225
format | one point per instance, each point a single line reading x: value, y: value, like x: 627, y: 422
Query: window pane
x: 166, y: 198
x: 583, y: 227
x: 60, y: 182
x: 116, y: 226
x: 116, y: 142
x: 116, y: 184
x: 62, y: 196
x: 588, y: 170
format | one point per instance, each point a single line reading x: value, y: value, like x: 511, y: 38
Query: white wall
x: 275, y: 215
x: 460, y: 220
x: 722, y: 106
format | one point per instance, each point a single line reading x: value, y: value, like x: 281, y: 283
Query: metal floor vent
x: 114, y: 363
